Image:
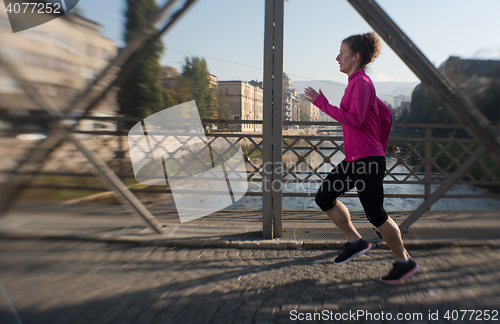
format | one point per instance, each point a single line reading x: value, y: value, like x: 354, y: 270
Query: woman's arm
x: 360, y: 102
x: 311, y: 94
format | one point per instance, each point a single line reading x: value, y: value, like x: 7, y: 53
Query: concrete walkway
x: 94, y: 263
x: 75, y: 282
x: 302, y: 229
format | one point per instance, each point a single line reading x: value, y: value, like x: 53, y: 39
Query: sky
x: 230, y: 35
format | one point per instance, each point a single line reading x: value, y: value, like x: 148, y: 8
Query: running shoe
x: 350, y: 250
x: 400, y: 271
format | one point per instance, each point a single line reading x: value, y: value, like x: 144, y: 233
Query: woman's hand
x: 311, y: 94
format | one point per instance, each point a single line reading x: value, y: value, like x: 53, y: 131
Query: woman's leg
x: 337, y: 183
x: 371, y: 195
x: 392, y: 236
x: 404, y: 266
x: 340, y: 216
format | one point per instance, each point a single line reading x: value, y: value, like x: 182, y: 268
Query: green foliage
x: 488, y: 102
x: 251, y: 150
x: 195, y: 74
x: 222, y: 107
x: 404, y: 116
x: 137, y: 14
x: 141, y: 94
x: 425, y: 108
x: 194, y: 84
x: 182, y: 91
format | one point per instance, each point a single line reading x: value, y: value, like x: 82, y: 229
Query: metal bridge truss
x: 482, y: 148
x: 118, y: 70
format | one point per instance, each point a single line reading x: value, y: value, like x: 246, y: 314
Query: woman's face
x: 348, y: 61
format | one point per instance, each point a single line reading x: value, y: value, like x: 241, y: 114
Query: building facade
x: 401, y: 101
x: 245, y: 102
x: 291, y: 105
x: 60, y: 57
x: 311, y: 109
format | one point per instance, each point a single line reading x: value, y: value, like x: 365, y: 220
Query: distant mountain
x: 332, y: 90
x: 335, y: 90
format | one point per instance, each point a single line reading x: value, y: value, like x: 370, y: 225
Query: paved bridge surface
x: 92, y: 264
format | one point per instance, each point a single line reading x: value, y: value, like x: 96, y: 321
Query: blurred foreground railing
x: 418, y: 154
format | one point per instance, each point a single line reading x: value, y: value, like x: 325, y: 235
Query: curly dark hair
x: 367, y: 45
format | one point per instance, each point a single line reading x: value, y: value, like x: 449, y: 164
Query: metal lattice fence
x: 422, y: 157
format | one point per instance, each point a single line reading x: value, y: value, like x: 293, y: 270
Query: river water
x: 390, y: 204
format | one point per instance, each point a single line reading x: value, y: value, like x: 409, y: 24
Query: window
x: 56, y: 64
x: 9, y: 85
x: 104, y: 54
x: 87, y: 73
x: 11, y: 55
x: 4, y: 23
x: 89, y: 50
x: 67, y: 67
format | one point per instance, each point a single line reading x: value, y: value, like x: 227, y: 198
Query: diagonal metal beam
x: 102, y: 170
x: 461, y: 108
x: 111, y: 76
x: 131, y: 55
x: 96, y: 90
x: 457, y: 175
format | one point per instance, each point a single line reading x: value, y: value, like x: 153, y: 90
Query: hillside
x: 335, y: 90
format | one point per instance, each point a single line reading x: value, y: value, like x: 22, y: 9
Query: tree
x: 393, y: 111
x: 182, y: 92
x: 221, y: 106
x: 483, y: 91
x: 403, y: 118
x: 196, y: 76
x: 141, y: 94
x: 488, y: 102
x: 194, y: 84
x: 425, y: 108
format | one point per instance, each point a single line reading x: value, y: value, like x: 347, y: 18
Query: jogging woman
x: 366, y: 124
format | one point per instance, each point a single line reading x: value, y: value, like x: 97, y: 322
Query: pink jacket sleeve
x: 360, y: 102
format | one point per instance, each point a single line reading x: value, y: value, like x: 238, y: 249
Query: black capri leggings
x: 366, y: 175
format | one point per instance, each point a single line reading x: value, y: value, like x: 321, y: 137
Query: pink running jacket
x: 366, y: 120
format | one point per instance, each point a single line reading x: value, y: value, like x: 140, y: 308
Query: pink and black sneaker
x: 350, y: 250
x: 400, y: 271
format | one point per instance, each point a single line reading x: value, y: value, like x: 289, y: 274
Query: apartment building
x: 245, y: 102
x: 402, y: 101
x: 60, y: 58
x: 291, y: 105
x: 311, y: 109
